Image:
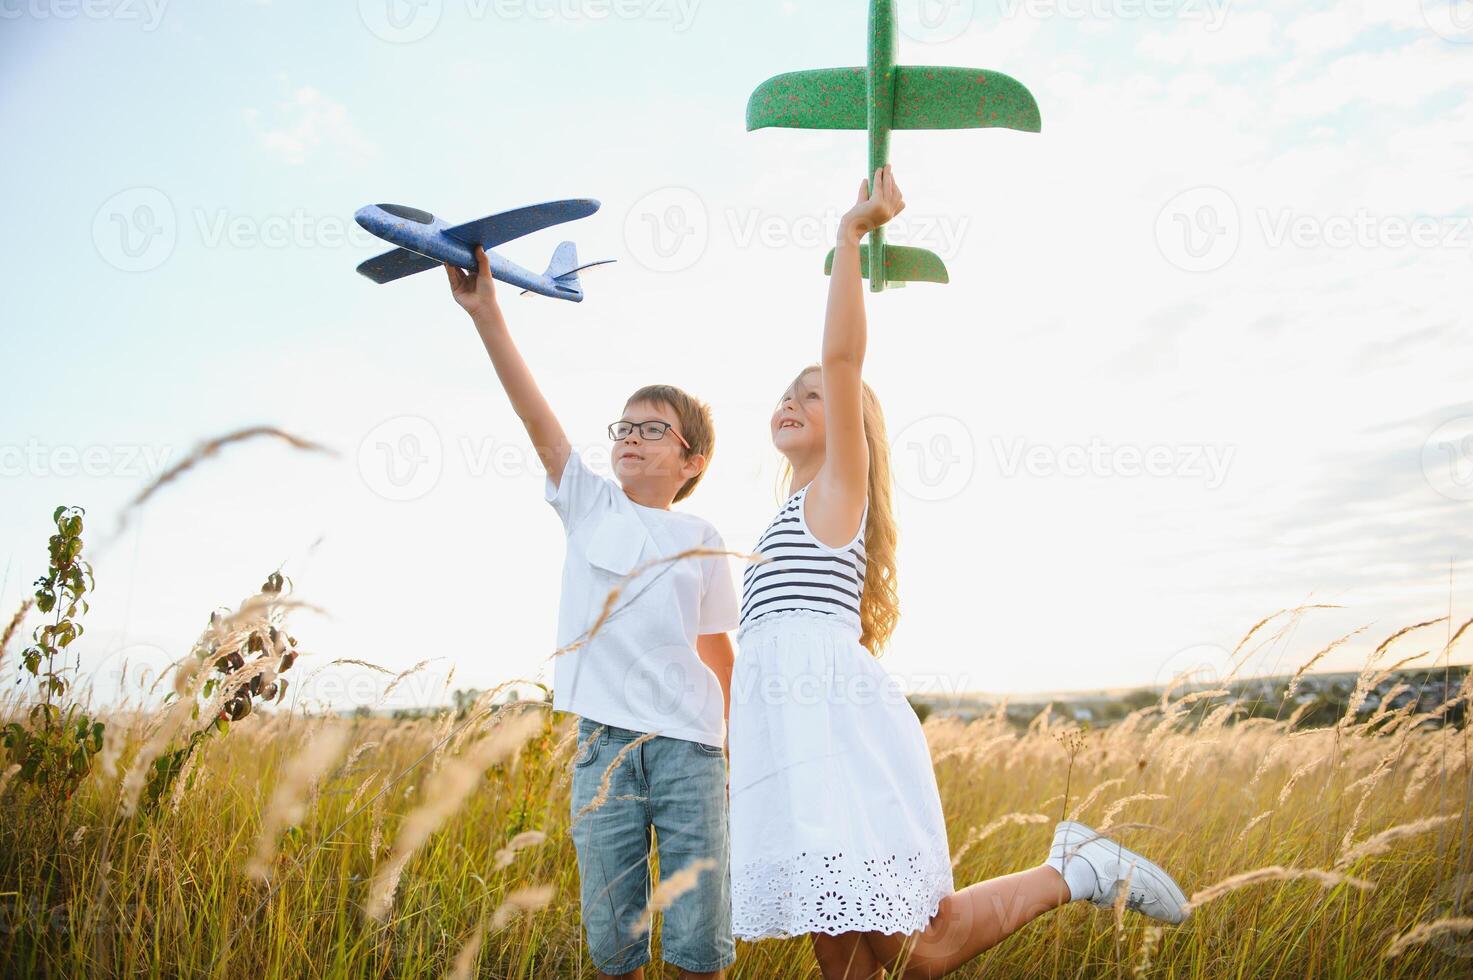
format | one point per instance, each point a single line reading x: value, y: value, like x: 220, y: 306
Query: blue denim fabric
x: 677, y: 789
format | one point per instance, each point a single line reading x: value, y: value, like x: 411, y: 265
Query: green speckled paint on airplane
x: 883, y: 96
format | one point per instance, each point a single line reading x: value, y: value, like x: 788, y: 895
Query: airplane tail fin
x: 564, y: 268
x: 902, y: 264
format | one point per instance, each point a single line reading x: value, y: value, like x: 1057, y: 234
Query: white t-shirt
x: 640, y: 670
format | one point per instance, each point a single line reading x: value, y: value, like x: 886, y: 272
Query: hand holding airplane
x: 426, y: 241
x: 885, y: 96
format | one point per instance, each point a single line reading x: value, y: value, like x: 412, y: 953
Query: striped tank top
x: 801, y: 572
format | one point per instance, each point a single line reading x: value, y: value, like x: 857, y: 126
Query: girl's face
x: 797, y: 422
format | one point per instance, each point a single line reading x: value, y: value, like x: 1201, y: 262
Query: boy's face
x: 656, y: 464
x: 797, y: 422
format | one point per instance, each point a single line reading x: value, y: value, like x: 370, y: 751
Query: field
x: 221, y: 831
x: 331, y: 847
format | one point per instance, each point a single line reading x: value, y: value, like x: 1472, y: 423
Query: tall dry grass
x: 312, y: 846
x: 306, y: 845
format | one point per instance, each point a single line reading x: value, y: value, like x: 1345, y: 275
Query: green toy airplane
x: 886, y: 96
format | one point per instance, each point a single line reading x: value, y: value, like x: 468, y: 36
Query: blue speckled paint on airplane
x: 425, y: 241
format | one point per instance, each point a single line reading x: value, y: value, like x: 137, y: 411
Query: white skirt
x: 836, y: 824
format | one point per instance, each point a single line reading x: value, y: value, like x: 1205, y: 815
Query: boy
x: 660, y: 661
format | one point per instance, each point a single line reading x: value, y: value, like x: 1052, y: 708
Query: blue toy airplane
x: 425, y: 241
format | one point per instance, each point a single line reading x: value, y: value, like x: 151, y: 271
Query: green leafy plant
x: 56, y: 749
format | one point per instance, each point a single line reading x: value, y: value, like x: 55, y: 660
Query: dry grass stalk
x: 1093, y: 795
x: 1296, y: 775
x: 1431, y: 760
x: 1119, y: 904
x: 180, y: 712
x: 1427, y: 931
x: 407, y: 673
x: 1381, y: 843
x: 605, y: 783
x: 1150, y: 942
x: 176, y: 795
x: 1304, y: 669
x: 1327, y: 879
x: 1370, y: 781
x: 349, y: 661
x: 670, y: 888
x: 464, y: 966
x: 204, y: 451
x: 10, y: 771
x: 376, y: 834
x: 14, y: 624
x: 445, y: 792
x: 1195, y: 696
x: 527, y: 838
x: 358, y: 750
x: 1243, y: 643
x: 521, y: 900
x: 1219, y: 716
x: 1297, y: 714
x: 611, y: 600
x: 1242, y: 834
x: 979, y: 834
x: 289, y: 800
x: 1114, y: 809
x: 363, y: 787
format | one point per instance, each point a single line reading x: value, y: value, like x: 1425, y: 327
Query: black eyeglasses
x: 651, y: 430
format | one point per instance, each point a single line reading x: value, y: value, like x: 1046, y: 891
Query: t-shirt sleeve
x: 577, y: 494
x: 719, y: 609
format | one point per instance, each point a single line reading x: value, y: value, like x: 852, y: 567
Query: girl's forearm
x: 844, y: 322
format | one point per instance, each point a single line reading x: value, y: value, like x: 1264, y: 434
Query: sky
x: 1205, y: 354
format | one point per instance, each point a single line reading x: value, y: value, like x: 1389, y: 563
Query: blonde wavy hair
x: 879, y: 603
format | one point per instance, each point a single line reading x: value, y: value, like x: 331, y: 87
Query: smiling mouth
x: 790, y: 424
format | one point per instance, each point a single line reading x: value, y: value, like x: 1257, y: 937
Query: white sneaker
x: 1151, y: 891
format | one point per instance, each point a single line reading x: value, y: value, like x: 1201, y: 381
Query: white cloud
x: 306, y: 122
x: 1242, y: 37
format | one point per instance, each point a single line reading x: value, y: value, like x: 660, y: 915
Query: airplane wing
x: 397, y: 264
x: 961, y: 98
x: 495, y: 229
x: 824, y: 98
x: 903, y: 263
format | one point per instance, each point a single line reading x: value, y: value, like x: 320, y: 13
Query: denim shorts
x: 677, y: 789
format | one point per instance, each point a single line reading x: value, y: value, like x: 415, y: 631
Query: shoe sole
x: 1152, y: 871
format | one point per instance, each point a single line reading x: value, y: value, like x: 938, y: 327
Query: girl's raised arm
x: 836, y: 497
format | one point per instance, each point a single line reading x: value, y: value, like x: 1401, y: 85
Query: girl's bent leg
x: 845, y: 957
x: 969, y: 921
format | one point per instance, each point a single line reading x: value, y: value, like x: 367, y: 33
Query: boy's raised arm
x: 477, y: 296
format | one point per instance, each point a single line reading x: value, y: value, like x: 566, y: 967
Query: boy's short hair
x: 694, y: 417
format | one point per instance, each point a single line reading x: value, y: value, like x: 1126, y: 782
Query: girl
x: 836, y: 823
